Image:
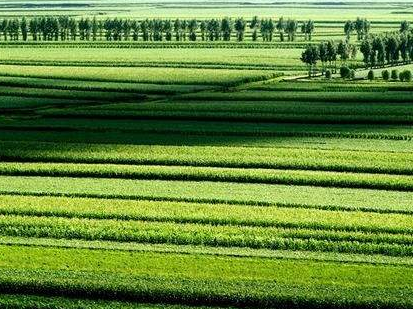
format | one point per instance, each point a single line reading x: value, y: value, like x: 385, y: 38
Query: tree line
x: 388, y: 49
x: 378, y: 50
x: 66, y: 28
x: 328, y: 53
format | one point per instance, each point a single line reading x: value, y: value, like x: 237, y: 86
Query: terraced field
x: 202, y: 174
x: 278, y: 194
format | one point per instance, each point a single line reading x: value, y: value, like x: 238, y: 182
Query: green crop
x: 215, y: 214
x: 269, y: 176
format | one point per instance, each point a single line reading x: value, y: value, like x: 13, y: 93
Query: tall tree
x: 226, y: 28
x: 24, y: 28
x: 240, y: 26
x: 348, y: 29
x: 310, y: 56
x: 404, y: 26
x: 254, y: 25
x: 192, y: 27
x: 291, y: 29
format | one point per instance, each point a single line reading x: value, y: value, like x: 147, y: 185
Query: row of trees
x: 328, y: 53
x: 66, y: 28
x: 360, y: 26
x: 389, y: 49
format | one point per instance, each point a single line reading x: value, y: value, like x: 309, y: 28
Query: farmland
x: 203, y: 174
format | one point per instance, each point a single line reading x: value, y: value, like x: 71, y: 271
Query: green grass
x: 246, y: 58
x: 265, y: 176
x: 139, y: 74
x: 19, y: 301
x: 215, y: 214
x: 208, y: 128
x: 211, y: 192
x: 235, y: 157
x: 167, y: 277
x: 274, y: 238
x: 109, y: 86
x: 165, y: 175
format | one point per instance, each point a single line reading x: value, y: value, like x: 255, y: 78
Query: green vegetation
x: 206, y: 155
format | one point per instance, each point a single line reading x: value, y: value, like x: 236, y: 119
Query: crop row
x: 223, y: 129
x: 165, y: 76
x: 332, y: 86
x: 236, y: 157
x: 61, y: 84
x: 41, y: 93
x: 209, y: 235
x: 160, y: 64
x: 305, y: 96
x: 260, y: 58
x: 280, y: 104
x: 185, y: 173
x: 194, y: 279
x: 14, y: 102
x: 152, y: 45
x: 27, y: 301
x: 233, y: 116
x: 214, y: 214
x: 95, y: 137
x: 206, y: 250
x: 212, y: 192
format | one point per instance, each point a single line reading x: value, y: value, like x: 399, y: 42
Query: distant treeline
x: 378, y: 50
x: 65, y: 28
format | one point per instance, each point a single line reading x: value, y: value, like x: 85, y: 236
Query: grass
x: 139, y: 75
x: 264, y: 176
x: 235, y: 157
x: 210, y: 192
x: 269, y: 282
x: 168, y: 175
x: 109, y: 86
x: 246, y: 58
x: 20, y: 301
x: 214, y: 214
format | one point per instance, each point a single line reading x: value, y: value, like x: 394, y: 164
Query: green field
x: 216, y: 174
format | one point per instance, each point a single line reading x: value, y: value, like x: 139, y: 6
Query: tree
x: 24, y: 29
x: 366, y: 49
x: 348, y: 29
x: 403, y: 48
x: 73, y: 26
x: 291, y: 29
x: 345, y: 72
x: 323, y: 54
x: 178, y: 30
x: 167, y: 27
x: 254, y: 25
x: 394, y: 75
x: 332, y: 54
x: 135, y: 26
x: 343, y: 50
x: 392, y: 49
x: 370, y: 75
x: 226, y: 28
x: 379, y: 48
x: 404, y: 26
x: 95, y: 28
x: 310, y: 56
x: 203, y: 28
x: 192, y: 27
x: 34, y: 28
x: 307, y: 28
x: 280, y: 26
x: 385, y: 74
x: 362, y: 26
x: 240, y: 26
